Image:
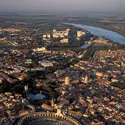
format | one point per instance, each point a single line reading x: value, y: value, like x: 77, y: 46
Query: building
x: 67, y: 80
x: 46, y: 36
x: 80, y: 34
x: 46, y: 63
x: 26, y: 88
x: 12, y: 30
x: 60, y: 34
x: 65, y: 40
x: 39, y: 49
x: 86, y: 79
x: 99, y: 74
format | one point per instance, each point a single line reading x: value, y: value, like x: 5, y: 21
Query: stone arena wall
x: 49, y: 115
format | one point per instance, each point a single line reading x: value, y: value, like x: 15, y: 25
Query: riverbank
x: 114, y: 36
x: 107, y: 27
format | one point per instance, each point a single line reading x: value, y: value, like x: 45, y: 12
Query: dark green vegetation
x: 90, y: 53
x: 4, y: 44
x: 120, y: 85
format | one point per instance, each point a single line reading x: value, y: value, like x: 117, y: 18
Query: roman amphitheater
x: 42, y: 118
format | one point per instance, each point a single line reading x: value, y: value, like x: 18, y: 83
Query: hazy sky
x: 63, y: 5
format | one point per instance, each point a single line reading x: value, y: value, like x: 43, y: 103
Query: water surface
x: 116, y: 37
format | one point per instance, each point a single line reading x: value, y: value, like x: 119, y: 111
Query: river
x: 116, y: 37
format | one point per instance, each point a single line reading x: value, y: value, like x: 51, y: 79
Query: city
x: 60, y: 70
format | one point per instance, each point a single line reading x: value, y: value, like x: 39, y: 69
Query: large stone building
x: 80, y: 34
x: 61, y: 34
x: 64, y: 40
x: 48, y: 118
x: 46, y: 36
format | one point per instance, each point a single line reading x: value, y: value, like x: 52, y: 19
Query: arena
x: 42, y: 118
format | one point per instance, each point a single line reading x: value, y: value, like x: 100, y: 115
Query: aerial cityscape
x: 62, y: 62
